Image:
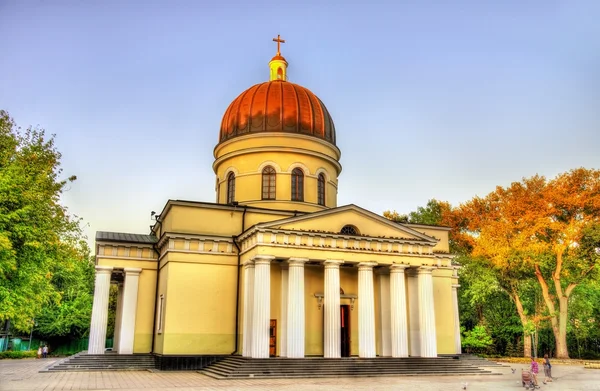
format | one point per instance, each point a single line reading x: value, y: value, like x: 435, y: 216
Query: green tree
x: 476, y: 340
x: 431, y: 214
x: 41, y: 246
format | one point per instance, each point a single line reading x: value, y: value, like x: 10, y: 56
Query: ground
x: 24, y: 375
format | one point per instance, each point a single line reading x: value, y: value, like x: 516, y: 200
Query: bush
x: 476, y: 340
x: 18, y: 354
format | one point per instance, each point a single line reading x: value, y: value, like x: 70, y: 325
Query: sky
x: 431, y: 99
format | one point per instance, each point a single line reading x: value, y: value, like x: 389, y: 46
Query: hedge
x: 18, y: 354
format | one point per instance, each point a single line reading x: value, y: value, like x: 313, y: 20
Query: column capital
x: 398, y: 268
x: 426, y: 269
x: 332, y: 264
x: 104, y: 269
x: 455, y: 270
x: 366, y: 265
x: 248, y: 264
x: 297, y: 261
x: 455, y: 286
x: 132, y: 270
x: 263, y: 259
x: 382, y: 270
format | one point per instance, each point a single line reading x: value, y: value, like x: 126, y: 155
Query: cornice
x: 246, y: 151
x: 263, y: 135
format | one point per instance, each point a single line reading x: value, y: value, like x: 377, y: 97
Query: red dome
x: 277, y: 106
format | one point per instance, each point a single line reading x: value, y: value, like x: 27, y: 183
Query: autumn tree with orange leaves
x: 534, y: 228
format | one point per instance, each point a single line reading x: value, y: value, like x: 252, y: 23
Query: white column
x: 296, y: 322
x: 399, y: 322
x: 366, y: 310
x: 283, y: 323
x: 99, y: 321
x: 385, y: 326
x: 248, y: 307
x: 332, y: 344
x: 427, y: 313
x: 130, y: 299
x: 457, y: 343
x: 118, y: 313
x: 262, y: 306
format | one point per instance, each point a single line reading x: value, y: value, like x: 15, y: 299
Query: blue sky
x: 431, y: 99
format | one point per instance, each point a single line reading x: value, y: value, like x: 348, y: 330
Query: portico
x: 127, y: 280
x: 256, y: 323
x: 388, y: 284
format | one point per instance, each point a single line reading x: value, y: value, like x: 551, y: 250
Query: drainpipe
x: 237, y: 296
x: 155, y: 294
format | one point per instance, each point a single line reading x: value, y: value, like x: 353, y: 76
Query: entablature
x: 335, y: 241
x: 198, y: 244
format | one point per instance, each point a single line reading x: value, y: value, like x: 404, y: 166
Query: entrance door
x: 345, y: 332
x: 273, y: 338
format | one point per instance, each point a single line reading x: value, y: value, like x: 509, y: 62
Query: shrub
x: 476, y: 340
x: 18, y: 354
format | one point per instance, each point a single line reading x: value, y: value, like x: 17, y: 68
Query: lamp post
x: 31, y: 334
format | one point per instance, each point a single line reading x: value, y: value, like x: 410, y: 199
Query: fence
x: 64, y: 349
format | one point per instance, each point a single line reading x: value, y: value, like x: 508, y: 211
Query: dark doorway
x: 345, y: 332
x: 273, y: 338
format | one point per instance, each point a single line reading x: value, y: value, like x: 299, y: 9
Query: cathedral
x: 274, y: 267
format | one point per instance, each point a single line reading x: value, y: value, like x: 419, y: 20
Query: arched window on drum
x: 297, y: 185
x: 321, y: 189
x: 230, y: 188
x: 268, y: 183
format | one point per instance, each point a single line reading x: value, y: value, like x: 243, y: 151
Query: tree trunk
x: 558, y: 320
x: 561, y: 339
x: 526, y: 336
x: 526, y: 344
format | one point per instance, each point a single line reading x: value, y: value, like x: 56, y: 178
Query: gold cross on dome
x: 279, y: 42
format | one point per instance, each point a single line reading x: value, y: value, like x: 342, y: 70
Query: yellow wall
x: 313, y: 283
x: 201, y: 309
x: 162, y: 290
x: 144, y: 318
x: 192, y: 219
x: 441, y: 234
x: 444, y: 310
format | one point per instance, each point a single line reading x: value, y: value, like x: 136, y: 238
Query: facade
x: 275, y: 267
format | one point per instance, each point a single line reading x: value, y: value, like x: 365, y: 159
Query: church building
x: 274, y: 267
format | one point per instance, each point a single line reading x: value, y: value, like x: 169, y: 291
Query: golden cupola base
x: 277, y: 147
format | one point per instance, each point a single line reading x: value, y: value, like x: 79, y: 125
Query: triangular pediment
x: 332, y: 220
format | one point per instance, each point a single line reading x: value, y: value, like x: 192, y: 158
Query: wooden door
x: 345, y: 329
x: 273, y: 338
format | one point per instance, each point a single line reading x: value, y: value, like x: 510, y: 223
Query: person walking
x: 534, y: 370
x: 547, y: 369
x: 39, y: 352
x: 45, y: 351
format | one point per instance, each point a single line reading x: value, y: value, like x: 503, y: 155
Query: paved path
x: 24, y: 375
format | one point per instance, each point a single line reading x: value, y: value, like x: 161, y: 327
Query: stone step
x: 105, y: 362
x: 337, y: 375
x: 243, y: 368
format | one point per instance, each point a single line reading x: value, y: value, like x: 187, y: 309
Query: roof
x: 277, y: 106
x: 125, y: 237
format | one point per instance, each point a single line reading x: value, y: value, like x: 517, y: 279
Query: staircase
x: 236, y: 367
x: 478, y: 361
x: 83, y: 362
